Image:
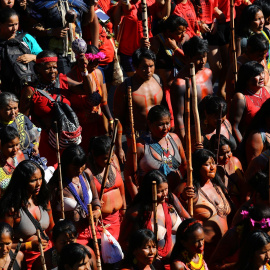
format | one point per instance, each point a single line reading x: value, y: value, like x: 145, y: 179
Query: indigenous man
x: 146, y: 93
x: 196, y: 52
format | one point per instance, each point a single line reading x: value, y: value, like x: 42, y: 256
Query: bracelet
x: 175, y: 49
x: 49, y: 32
x: 119, y: 131
x: 84, y: 73
x: 28, y: 245
x: 36, y: 143
x: 111, y: 121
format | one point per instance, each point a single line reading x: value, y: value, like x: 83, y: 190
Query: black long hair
x: 184, y: 230
x: 72, y: 254
x: 255, y: 241
x: 144, y: 197
x: 16, y: 194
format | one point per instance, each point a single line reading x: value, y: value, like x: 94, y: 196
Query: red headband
x: 47, y: 59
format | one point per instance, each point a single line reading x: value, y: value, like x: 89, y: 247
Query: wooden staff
x: 42, y: 258
x: 115, y: 123
x: 195, y: 107
x: 133, y: 136
x: 59, y: 172
x: 188, y: 144
x: 15, y: 254
x: 233, y: 49
x: 92, y: 226
x: 154, y: 200
x: 145, y: 19
x: 218, y: 131
x: 269, y: 179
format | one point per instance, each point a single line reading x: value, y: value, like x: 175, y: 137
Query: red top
x: 187, y: 12
x: 224, y: 6
x: 254, y: 103
x: 208, y: 6
x: 131, y: 27
x: 42, y: 106
x: 105, y: 44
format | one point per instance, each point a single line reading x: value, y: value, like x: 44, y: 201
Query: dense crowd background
x: 68, y: 69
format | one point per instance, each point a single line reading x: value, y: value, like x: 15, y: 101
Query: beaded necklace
x: 9, y: 165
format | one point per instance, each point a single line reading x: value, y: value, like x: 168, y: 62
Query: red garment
x: 131, y: 27
x: 224, y: 6
x: 84, y: 236
x: 208, y: 6
x: 31, y: 256
x: 253, y: 104
x: 90, y: 119
x: 113, y: 219
x: 105, y: 44
x: 187, y: 12
x: 163, y: 252
x: 42, y: 109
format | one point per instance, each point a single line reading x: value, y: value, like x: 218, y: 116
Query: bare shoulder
x: 175, y: 138
x: 238, y: 96
x: 177, y: 265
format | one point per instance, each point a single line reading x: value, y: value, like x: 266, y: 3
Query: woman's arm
x: 95, y: 200
x: 129, y: 172
x: 238, y: 108
x: 104, y: 102
x: 51, y: 224
x: 25, y: 100
x: 84, y: 88
x: 181, y: 211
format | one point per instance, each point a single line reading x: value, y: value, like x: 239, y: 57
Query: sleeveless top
x: 253, y: 104
x: 149, y: 162
x: 26, y: 228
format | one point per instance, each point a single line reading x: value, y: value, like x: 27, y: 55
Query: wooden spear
x: 188, y: 144
x: 198, y: 144
x: 94, y: 235
x: 218, y: 131
x: 133, y: 136
x: 42, y: 258
x: 115, y: 123
x: 145, y: 19
x: 154, y: 200
x: 59, y: 172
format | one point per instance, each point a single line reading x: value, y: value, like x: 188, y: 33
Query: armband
x: 36, y: 143
x: 28, y: 245
x: 103, y: 103
x: 175, y: 49
x: 111, y: 121
x: 84, y: 73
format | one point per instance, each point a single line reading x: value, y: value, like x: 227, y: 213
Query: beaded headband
x: 192, y: 223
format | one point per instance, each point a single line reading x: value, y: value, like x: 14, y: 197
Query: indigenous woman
x: 255, y: 254
x: 113, y: 200
x: 9, y: 115
x: 257, y: 137
x: 10, y: 156
x: 9, y: 24
x: 209, y: 198
x: 160, y: 150
x: 187, y: 253
x: 227, y: 251
x: 55, y: 86
x: 142, y: 251
x: 64, y: 232
x: 91, y: 114
x: 79, y: 190
x: 74, y: 257
x: 6, y: 252
x: 25, y: 206
x: 250, y: 96
x: 230, y: 168
x: 140, y: 215
x: 209, y: 109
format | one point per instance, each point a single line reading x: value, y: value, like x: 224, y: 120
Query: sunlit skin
x: 6, y: 3
x: 159, y: 129
x: 256, y: 83
x: 113, y: 199
x: 11, y: 148
x: 9, y: 112
x: 257, y: 24
x: 145, y: 255
x: 162, y: 192
x: 35, y: 183
x: 261, y: 257
x: 208, y: 170
x: 48, y: 72
x: 9, y: 29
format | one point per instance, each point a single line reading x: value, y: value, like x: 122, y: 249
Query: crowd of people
x: 61, y: 62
